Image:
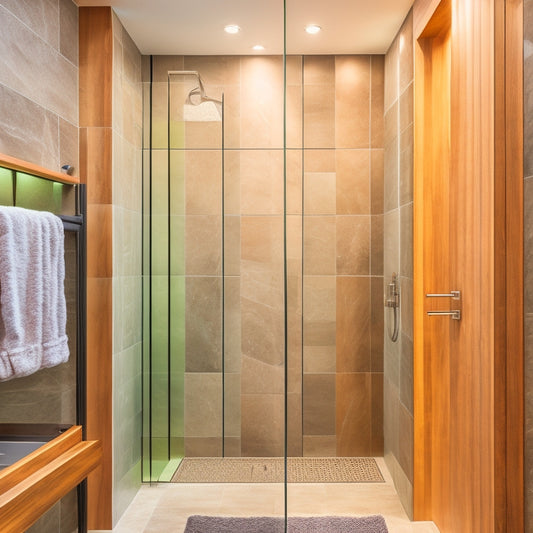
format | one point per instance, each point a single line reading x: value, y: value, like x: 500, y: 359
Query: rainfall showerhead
x: 199, y: 107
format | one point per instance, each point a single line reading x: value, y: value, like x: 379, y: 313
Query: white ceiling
x: 195, y: 27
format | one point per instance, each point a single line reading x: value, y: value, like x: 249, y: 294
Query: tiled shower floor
x: 164, y: 508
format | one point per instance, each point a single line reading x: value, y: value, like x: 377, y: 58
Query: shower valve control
x: 392, y: 296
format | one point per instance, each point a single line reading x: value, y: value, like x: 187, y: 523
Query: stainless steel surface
x: 454, y: 295
x: 455, y: 314
x: 13, y: 451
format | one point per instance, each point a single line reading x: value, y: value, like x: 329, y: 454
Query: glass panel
x: 6, y: 186
x: 215, y: 216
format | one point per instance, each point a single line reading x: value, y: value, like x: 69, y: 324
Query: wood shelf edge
x: 20, y: 165
x: 26, y: 501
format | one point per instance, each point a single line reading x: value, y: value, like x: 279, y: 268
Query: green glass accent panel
x: 159, y: 182
x: 177, y: 447
x: 39, y: 194
x: 170, y: 470
x: 177, y: 134
x: 177, y: 362
x: 6, y: 186
x: 159, y: 245
x: 177, y: 182
x: 177, y: 251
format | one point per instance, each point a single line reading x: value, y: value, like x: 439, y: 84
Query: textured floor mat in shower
x: 271, y: 470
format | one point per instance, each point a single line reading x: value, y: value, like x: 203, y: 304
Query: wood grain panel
x: 96, y: 164
x: 96, y: 66
x: 47, y: 485
x: 36, y: 170
x: 99, y: 241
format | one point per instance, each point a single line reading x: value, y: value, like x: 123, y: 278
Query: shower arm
x: 197, y: 91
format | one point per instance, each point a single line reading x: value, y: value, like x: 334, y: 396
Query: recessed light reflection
x: 312, y: 29
x: 232, y: 28
x: 258, y: 47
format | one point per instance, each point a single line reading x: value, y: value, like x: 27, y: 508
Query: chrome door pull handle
x: 455, y: 314
x: 454, y: 295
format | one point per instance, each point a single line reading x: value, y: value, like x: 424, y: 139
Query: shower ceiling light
x: 312, y: 28
x: 258, y: 47
x: 232, y: 28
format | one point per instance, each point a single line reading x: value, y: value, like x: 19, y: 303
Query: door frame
x: 488, y: 35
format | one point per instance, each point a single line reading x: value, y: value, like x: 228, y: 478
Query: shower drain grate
x: 271, y: 470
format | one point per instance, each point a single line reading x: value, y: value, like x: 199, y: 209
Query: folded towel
x: 33, y: 312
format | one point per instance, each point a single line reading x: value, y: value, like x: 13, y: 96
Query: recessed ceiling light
x: 312, y: 28
x: 232, y: 28
x: 258, y: 47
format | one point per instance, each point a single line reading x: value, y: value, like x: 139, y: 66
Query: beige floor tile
x: 164, y: 508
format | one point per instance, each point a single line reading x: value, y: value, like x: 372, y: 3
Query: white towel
x: 33, y: 313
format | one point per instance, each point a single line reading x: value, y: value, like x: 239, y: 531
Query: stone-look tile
x: 294, y: 116
x: 232, y: 182
x: 261, y: 102
x: 391, y: 415
x: 262, y: 288
x: 232, y: 447
x: 319, y: 359
x: 68, y: 30
x: 261, y: 178
x: 376, y: 95
x: 406, y: 241
x: 319, y: 116
x: 159, y: 109
x: 293, y: 181
x: 294, y: 70
x: 406, y: 306
x: 528, y: 443
x: 319, y: 245
x: 203, y: 182
x: 203, y: 245
x: 203, y: 405
x: 38, y: 72
x: 406, y: 374
x: 353, y: 245
x: 352, y: 101
x: 29, y: 131
x: 199, y: 135
x: 405, y: 457
x: 391, y: 124
x: 406, y: 107
x: 132, y: 58
x: 215, y: 70
x: 405, y: 48
x: 319, y: 446
x: 203, y: 446
x: 294, y: 425
x: 377, y: 414
x: 353, y: 414
x: 259, y: 377
x: 232, y: 324
x: 406, y: 165
x: 376, y: 324
x: 319, y: 313
x: 353, y: 182
x: 390, y: 176
x: 263, y: 423
x: 376, y: 245
x: 376, y: 182
x: 392, y: 74
x: 68, y: 145
x: 49, y: 521
x: 391, y: 351
x: 319, y: 404
x: 232, y: 245
x: 320, y: 193
x: 127, y: 177
x: 319, y: 70
x: 320, y: 160
x: 203, y: 324
x: 163, y: 63
x: 126, y: 244
x: 232, y: 405
x: 353, y: 324
x: 41, y: 16
x: 528, y: 249
x: 391, y: 243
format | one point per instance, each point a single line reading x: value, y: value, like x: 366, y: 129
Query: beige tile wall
x: 335, y: 113
x: 397, y: 228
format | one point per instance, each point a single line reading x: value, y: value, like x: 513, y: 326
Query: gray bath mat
x: 263, y: 524
x: 272, y: 470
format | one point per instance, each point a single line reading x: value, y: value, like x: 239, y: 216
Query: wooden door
x: 467, y: 401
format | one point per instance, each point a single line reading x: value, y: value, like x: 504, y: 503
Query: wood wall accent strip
x: 29, y: 168
x: 42, y: 489
x: 96, y: 66
x: 17, y: 472
x: 422, y: 14
x: 514, y: 139
x: 96, y: 148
